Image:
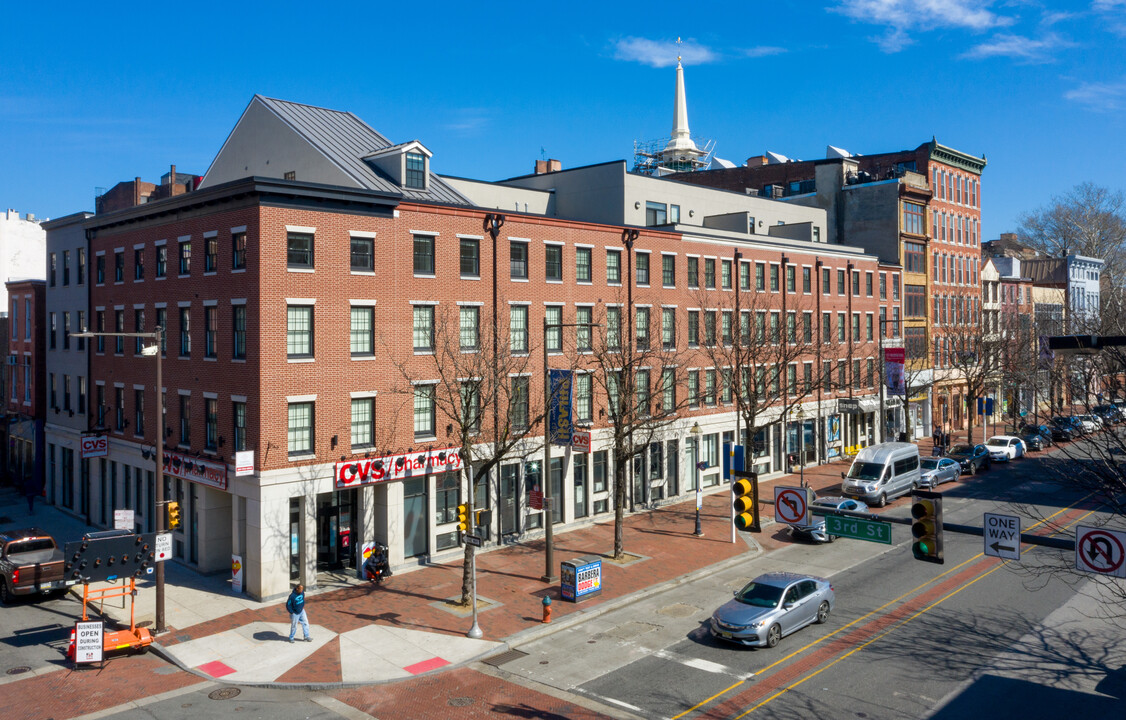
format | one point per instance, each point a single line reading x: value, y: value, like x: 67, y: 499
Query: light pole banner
x: 894, y: 361
x: 559, y: 427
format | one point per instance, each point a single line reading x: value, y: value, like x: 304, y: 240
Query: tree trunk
x: 619, y: 506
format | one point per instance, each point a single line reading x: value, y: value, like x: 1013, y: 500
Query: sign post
x: 1002, y: 536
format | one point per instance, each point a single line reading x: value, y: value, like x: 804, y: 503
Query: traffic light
x: 927, y: 528
x: 744, y: 492
x: 463, y: 518
x: 173, y: 515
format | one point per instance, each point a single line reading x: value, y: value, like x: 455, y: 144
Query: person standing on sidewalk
x: 296, y: 607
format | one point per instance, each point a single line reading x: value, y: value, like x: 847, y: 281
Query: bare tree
x: 972, y: 356
x: 767, y: 350
x: 630, y: 372
x: 478, y: 386
x: 1089, y: 220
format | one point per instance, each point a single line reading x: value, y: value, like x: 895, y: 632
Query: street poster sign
x: 123, y: 519
x: 244, y: 463
x: 1100, y: 551
x: 1002, y: 536
x: 93, y: 445
x: 162, y: 546
x: 858, y: 529
x: 88, y: 645
x: 791, y: 505
x: 236, y: 574
x: 894, y: 361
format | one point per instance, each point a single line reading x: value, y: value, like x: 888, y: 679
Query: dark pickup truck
x: 30, y: 562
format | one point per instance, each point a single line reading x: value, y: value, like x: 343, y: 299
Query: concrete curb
x: 519, y: 638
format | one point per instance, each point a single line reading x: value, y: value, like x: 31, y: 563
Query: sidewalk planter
x: 581, y: 578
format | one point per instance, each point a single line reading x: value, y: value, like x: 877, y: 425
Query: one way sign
x: 1002, y: 536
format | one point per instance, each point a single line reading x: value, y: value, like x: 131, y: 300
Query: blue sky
x: 90, y: 95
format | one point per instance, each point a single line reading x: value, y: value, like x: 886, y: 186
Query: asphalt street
x: 906, y: 637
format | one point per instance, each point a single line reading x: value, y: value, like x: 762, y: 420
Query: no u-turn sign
x: 1100, y: 551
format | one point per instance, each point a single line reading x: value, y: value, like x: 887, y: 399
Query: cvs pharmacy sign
x: 93, y: 446
x: 396, y: 467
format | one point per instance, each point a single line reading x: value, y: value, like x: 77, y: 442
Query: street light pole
x: 699, y: 497
x: 158, y: 492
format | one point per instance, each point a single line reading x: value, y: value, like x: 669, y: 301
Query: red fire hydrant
x: 546, y: 609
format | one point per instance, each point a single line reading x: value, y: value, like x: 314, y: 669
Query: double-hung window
x: 362, y: 334
x: 138, y: 264
x: 186, y: 420
x: 300, y: 433
x: 422, y: 328
x: 553, y: 262
x: 118, y: 326
x: 186, y: 256
x: 553, y: 330
x: 470, y: 260
x: 668, y: 271
x: 211, y: 423
x: 668, y: 328
x: 119, y: 266
x: 693, y: 328
x: 584, y: 397
x: 415, y: 176
x: 584, y: 315
x: 518, y: 328
x: 161, y: 261
x: 424, y: 420
x: 423, y: 254
x: 709, y: 273
x: 693, y: 279
x: 613, y: 267
x: 725, y: 274
x: 211, y: 254
x: 468, y: 327
x: 299, y: 331
x: 614, y: 328
x: 518, y: 259
x: 238, y: 250
x: 362, y: 254
x: 363, y: 422
x: 583, y: 264
x: 642, y: 268
x: 210, y: 331
x: 518, y: 403
x: 642, y: 328
x: 238, y: 320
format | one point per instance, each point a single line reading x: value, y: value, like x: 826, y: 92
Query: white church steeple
x: 680, y: 153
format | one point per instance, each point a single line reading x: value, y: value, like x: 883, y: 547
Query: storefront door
x: 508, y: 500
x: 334, y: 530
x: 415, y: 533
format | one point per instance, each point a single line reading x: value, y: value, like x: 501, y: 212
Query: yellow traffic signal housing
x: 744, y: 493
x: 463, y: 517
x: 927, y: 527
x: 173, y: 515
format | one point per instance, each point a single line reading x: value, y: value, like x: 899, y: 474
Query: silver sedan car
x: 772, y: 606
x: 933, y: 471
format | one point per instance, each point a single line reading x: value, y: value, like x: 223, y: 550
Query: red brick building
x: 29, y: 397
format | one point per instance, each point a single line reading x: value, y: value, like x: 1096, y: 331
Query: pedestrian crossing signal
x: 463, y: 518
x: 744, y: 493
x: 173, y: 515
x: 927, y: 527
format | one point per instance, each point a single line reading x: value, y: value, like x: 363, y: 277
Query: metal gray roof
x: 344, y: 139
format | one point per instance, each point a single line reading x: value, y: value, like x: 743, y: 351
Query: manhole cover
x: 460, y: 701
x: 19, y: 670
x: 224, y: 693
x: 679, y: 610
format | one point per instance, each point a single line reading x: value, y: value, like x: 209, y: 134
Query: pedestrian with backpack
x: 296, y: 607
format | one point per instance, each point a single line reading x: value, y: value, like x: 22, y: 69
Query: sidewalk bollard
x: 546, y: 609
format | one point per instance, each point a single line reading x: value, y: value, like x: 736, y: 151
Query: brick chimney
x: 548, y: 166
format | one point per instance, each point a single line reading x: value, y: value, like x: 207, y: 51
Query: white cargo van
x: 882, y: 472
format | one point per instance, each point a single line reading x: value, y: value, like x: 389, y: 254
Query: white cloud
x: 662, y: 53
x: 1099, y: 96
x: 467, y: 121
x: 763, y: 51
x: 902, y: 17
x: 1017, y: 47
x: 1105, y: 5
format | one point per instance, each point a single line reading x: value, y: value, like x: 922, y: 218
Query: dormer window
x: 416, y: 171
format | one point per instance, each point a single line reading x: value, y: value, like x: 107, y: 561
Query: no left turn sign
x: 1100, y: 551
x: 791, y: 505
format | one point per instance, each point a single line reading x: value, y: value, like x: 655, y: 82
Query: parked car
x: 972, y: 458
x: 1089, y: 423
x: 882, y: 472
x: 1035, y: 437
x: 816, y: 529
x: 1004, y: 448
x: 936, y: 470
x: 30, y: 563
x: 1109, y: 414
x: 1065, y: 428
x: 772, y: 606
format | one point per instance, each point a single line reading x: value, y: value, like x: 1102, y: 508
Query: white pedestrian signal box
x: 1002, y: 536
